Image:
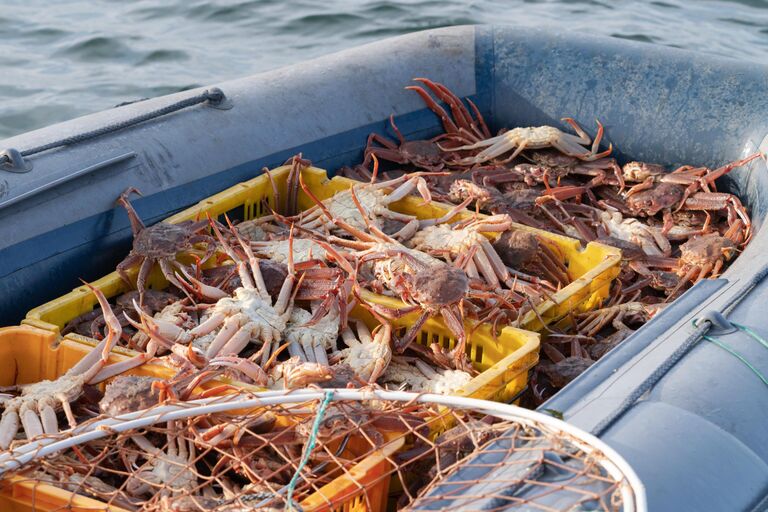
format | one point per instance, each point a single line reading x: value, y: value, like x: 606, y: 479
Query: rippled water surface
x: 65, y: 58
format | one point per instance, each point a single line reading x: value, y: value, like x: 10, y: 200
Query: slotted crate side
x: 29, y: 354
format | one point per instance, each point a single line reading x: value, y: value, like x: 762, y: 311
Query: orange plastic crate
x: 29, y: 354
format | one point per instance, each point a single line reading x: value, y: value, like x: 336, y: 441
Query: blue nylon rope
x: 309, y: 448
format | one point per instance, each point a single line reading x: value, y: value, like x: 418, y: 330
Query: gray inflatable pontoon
x: 690, y: 417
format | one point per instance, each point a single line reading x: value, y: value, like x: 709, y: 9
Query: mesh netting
x: 325, y: 454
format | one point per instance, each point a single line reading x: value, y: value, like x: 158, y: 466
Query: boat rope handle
x: 10, y: 158
x: 308, y: 449
x: 650, y: 381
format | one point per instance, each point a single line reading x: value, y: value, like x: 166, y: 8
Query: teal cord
x: 735, y: 354
x: 310, y: 447
x: 741, y: 358
x: 752, y: 333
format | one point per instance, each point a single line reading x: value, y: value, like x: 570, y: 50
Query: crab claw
x: 196, y: 286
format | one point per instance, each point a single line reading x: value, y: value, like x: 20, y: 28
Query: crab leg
x: 9, y: 425
x: 231, y: 326
x: 486, y: 268
x: 241, y: 339
x: 48, y: 418
x: 448, y: 124
x: 31, y: 423
x: 192, y: 284
x: 136, y: 223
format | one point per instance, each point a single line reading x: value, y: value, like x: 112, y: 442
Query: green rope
x: 308, y: 449
x: 741, y: 358
x: 735, y: 354
x: 752, y: 333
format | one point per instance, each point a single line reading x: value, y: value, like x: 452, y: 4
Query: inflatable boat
x: 687, y: 414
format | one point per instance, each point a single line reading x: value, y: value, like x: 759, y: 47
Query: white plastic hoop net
x: 325, y: 450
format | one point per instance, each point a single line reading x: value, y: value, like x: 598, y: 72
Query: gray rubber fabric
x: 688, y: 415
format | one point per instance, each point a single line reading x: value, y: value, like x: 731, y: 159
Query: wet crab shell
x: 163, y: 240
x: 517, y: 248
x: 652, y: 201
x: 128, y: 393
x: 701, y: 250
x: 445, y: 238
x: 438, y: 286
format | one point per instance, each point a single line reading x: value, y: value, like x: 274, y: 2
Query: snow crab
x: 428, y: 285
x: 420, y: 153
x: 159, y: 244
x: 519, y: 139
x: 367, y: 353
x: 529, y: 253
x: 167, y: 472
x: 248, y: 316
x: 371, y: 199
x: 38, y: 403
x: 465, y: 244
x: 415, y: 375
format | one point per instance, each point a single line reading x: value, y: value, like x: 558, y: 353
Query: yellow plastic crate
x: 29, y: 354
x: 503, y: 362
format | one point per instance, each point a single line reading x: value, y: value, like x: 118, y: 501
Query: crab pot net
x: 338, y: 454
x: 217, y: 462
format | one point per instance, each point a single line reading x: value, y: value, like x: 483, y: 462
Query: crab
x: 466, y: 242
x: 528, y: 253
x: 428, y: 284
x: 372, y: 199
x: 368, y: 353
x: 687, y: 188
x: 248, y: 316
x: 128, y: 393
x: 38, y: 403
x: 650, y: 239
x: 165, y: 473
x: 420, y: 153
x: 704, y: 256
x: 415, y: 375
x: 537, y: 137
x: 159, y: 244
x: 310, y: 341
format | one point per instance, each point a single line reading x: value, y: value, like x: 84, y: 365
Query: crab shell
x: 444, y: 238
x: 128, y: 393
x: 429, y: 281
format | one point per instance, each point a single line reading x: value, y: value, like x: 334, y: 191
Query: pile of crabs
x: 292, y: 299
x: 672, y: 225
